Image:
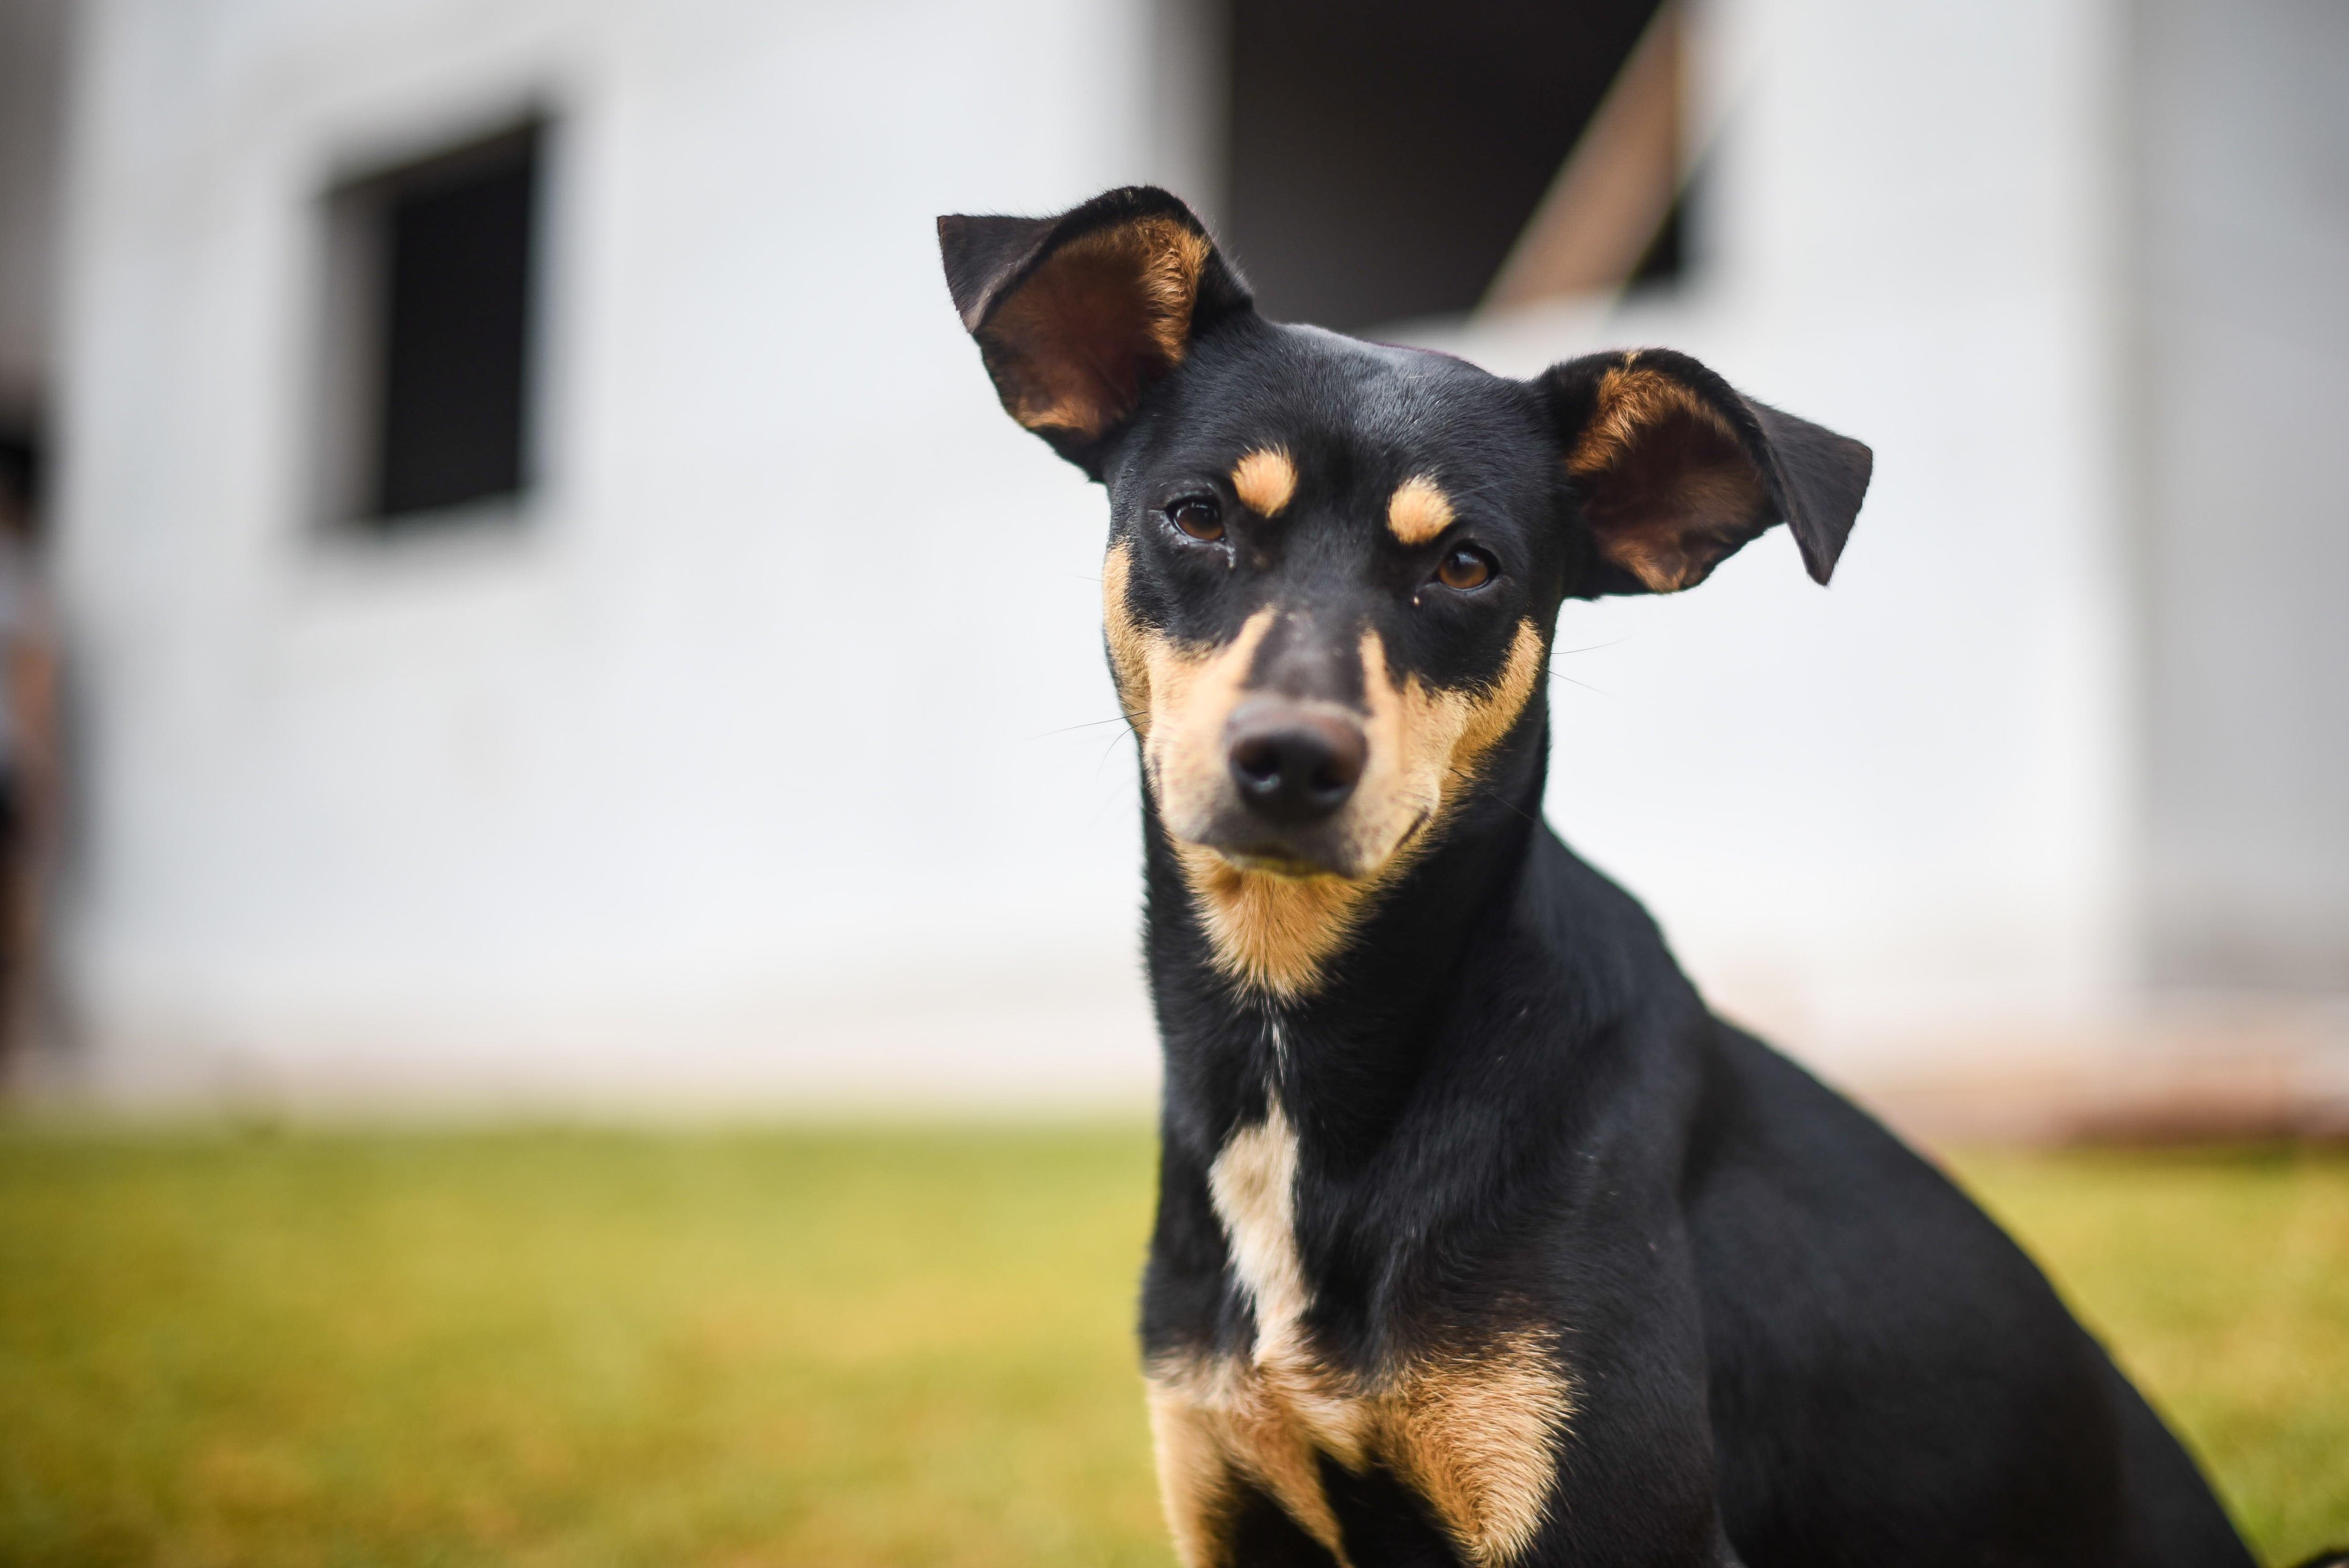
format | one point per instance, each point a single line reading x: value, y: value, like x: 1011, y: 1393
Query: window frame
x: 353, y: 214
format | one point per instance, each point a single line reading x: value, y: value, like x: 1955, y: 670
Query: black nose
x: 1294, y: 764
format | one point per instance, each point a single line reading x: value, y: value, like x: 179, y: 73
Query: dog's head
x: 1334, y: 566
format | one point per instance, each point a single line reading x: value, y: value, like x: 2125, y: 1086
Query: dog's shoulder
x: 1822, y: 1243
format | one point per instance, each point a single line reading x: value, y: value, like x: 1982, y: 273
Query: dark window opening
x: 436, y: 278
x: 21, y: 451
x: 1386, y: 156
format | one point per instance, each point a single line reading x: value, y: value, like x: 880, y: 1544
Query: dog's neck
x: 1344, y: 1054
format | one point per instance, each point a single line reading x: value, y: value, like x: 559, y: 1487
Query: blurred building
x: 556, y: 614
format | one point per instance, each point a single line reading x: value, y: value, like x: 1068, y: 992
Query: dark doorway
x: 1386, y: 154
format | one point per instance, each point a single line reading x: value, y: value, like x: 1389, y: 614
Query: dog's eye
x: 1197, y: 516
x: 1464, y: 567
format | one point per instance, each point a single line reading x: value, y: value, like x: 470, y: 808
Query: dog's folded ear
x: 1076, y: 315
x: 1673, y: 471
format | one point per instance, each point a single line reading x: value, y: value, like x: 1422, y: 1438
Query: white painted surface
x: 756, y: 716
x: 1884, y: 821
x: 2243, y: 335
x: 743, y: 772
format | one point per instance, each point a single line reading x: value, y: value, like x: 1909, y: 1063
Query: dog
x: 1480, y: 1241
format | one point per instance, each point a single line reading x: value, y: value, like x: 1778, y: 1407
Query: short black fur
x: 1792, y: 1343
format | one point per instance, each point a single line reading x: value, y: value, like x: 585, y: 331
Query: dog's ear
x: 1674, y: 470
x: 1076, y: 315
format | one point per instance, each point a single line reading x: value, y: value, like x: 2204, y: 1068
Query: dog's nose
x: 1293, y: 764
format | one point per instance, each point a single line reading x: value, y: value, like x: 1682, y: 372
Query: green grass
x: 2220, y: 1282
x: 836, y: 1348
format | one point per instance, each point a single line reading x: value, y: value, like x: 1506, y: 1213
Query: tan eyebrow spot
x: 1265, y: 480
x: 1418, y: 511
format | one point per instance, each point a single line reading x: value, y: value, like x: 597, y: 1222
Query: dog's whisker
x: 1126, y: 718
x: 1473, y: 782
x: 1102, y: 760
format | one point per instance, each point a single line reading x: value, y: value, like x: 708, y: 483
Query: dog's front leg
x: 1222, y: 1515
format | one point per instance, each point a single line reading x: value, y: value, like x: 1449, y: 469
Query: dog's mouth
x: 1302, y: 858
x: 1245, y: 844
x: 1278, y: 863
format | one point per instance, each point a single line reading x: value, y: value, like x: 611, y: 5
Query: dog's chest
x: 1469, y: 1429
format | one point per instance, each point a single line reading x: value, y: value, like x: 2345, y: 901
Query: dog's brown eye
x: 1466, y: 568
x: 1198, y: 517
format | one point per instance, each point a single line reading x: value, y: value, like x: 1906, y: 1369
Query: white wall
x: 735, y: 774
x: 745, y: 762
x: 1885, y: 821
x: 2241, y: 246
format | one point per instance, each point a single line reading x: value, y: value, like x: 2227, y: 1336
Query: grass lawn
x: 835, y: 1348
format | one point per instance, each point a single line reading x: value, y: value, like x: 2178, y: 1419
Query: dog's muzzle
x: 1293, y: 767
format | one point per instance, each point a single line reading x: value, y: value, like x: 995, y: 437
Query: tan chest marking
x: 1471, y: 1433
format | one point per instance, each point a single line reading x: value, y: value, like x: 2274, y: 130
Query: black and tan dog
x: 1479, y: 1241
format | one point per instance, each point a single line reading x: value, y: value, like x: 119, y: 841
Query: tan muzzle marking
x: 1277, y: 934
x: 1271, y: 932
